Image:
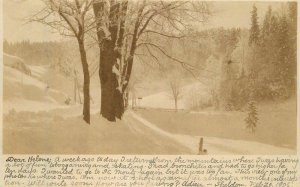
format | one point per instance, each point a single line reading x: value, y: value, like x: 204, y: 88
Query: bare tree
x: 71, y: 19
x: 176, y: 91
x: 126, y: 27
x: 132, y: 89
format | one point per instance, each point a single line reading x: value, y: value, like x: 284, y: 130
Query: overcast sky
x: 227, y: 14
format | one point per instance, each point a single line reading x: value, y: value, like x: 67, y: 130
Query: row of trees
x: 255, y: 64
x: 41, y: 53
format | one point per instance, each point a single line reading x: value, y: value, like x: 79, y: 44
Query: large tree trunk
x: 112, y: 102
x: 86, y: 82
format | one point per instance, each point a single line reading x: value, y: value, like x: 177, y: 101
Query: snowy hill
x: 33, y: 87
x: 16, y: 63
x: 24, y: 92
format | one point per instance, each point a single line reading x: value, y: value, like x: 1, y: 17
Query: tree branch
x: 162, y: 34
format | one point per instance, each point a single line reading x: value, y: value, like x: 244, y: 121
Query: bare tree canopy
x: 139, y: 28
x: 176, y: 90
x: 71, y: 18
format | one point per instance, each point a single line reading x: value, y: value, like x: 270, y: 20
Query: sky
x: 226, y: 14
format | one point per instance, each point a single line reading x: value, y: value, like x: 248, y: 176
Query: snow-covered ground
x: 27, y: 105
x: 26, y: 93
x: 50, y: 133
x: 160, y: 100
x: 38, y: 71
x: 164, y: 99
x: 15, y: 76
x: 36, y: 120
x: 216, y: 145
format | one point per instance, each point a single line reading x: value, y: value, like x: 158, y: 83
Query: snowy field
x: 165, y: 100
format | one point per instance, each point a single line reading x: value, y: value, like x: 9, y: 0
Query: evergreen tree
x: 271, y: 44
x: 283, y: 60
x: 264, y: 50
x: 273, y: 24
x: 282, y: 40
x: 292, y: 21
x: 227, y: 42
x: 265, y: 31
x: 293, y: 17
x: 6, y: 46
x: 254, y: 30
x: 252, y: 118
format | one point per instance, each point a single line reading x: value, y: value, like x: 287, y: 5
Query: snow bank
x: 38, y: 71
